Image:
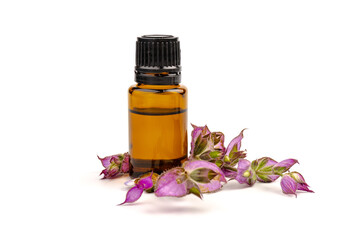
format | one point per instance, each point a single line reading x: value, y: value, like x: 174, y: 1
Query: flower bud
x: 291, y: 182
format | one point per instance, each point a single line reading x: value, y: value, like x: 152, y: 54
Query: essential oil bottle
x: 157, y: 107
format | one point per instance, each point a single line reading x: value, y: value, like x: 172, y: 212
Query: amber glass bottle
x: 157, y: 107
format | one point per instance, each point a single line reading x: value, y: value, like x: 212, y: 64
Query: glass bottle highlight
x: 157, y: 107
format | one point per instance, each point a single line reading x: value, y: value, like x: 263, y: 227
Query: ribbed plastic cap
x: 157, y: 54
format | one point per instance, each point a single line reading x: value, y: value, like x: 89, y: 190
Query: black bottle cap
x: 158, y: 60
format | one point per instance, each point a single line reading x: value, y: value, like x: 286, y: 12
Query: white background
x: 286, y: 70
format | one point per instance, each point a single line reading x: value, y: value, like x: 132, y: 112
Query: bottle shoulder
x: 157, y: 97
x: 180, y: 88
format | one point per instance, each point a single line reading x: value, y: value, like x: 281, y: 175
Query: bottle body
x: 157, y: 127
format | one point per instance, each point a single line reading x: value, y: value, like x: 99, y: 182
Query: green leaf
x: 202, y: 175
x: 262, y: 162
x: 214, y: 154
x: 196, y: 192
x: 234, y: 162
x: 254, y: 165
x: 253, y: 178
x: 279, y: 170
x: 215, y: 138
x: 205, y: 155
x: 200, y: 145
x: 264, y: 177
x: 233, y: 150
x: 266, y: 169
x: 239, y: 154
x: 219, y: 163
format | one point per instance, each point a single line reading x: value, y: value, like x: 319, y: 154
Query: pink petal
x: 284, y: 165
x: 270, y: 162
x: 235, y: 142
x: 243, y: 165
x: 110, y: 172
x: 229, y: 173
x: 146, y: 183
x: 105, y: 172
x: 172, y: 183
x: 272, y: 177
x: 196, y: 132
x: 105, y: 161
x: 133, y: 194
x: 288, y: 185
x: 304, y: 187
x: 212, y: 186
x: 125, y: 166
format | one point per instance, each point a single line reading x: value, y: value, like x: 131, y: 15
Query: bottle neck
x: 157, y: 77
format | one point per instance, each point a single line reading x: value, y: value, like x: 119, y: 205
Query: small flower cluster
x: 210, y: 165
x: 115, y: 165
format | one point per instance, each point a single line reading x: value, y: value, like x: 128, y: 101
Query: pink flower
x: 245, y: 174
x: 263, y: 168
x: 232, y: 156
x: 206, y: 145
x: 115, y: 165
x: 196, y: 177
x: 293, y: 181
x: 141, y: 184
x: 232, y: 152
x: 197, y: 136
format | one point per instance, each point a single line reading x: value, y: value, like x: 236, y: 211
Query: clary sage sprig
x: 209, y: 167
x: 115, y: 165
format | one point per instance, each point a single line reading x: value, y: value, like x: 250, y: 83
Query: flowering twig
x: 209, y: 164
